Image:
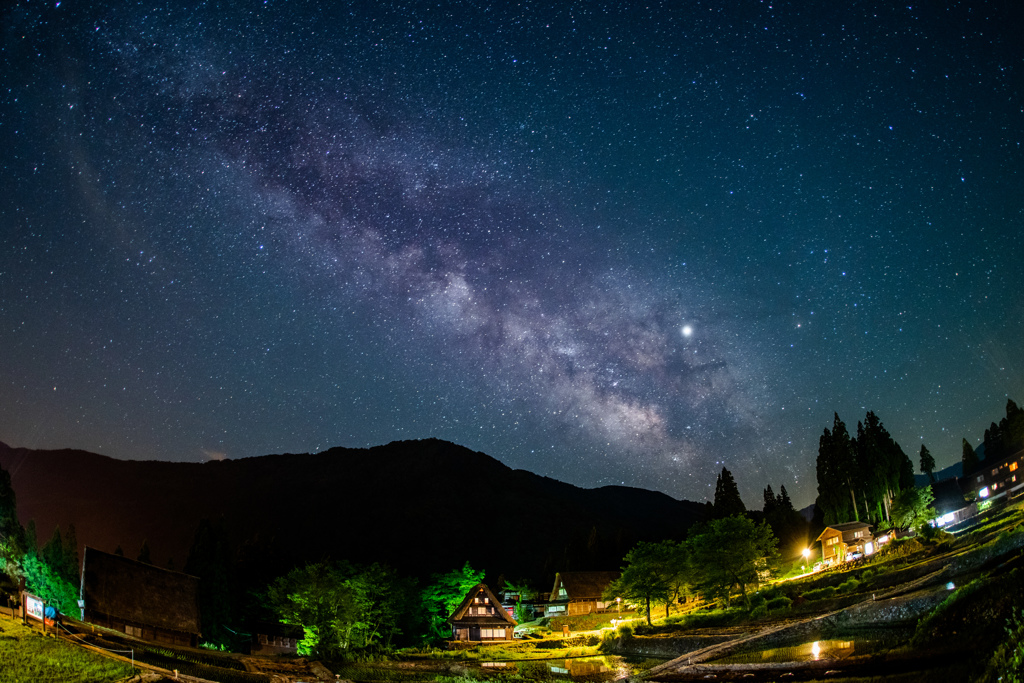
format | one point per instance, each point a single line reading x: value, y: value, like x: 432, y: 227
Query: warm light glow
x: 816, y: 650
x: 807, y: 553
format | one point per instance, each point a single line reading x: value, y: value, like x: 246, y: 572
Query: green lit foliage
x: 912, y: 508
x: 521, y: 613
x: 732, y: 552
x: 380, y: 596
x: 1007, y: 663
x: 654, y: 573
x: 49, y: 585
x: 340, y: 608
x: 316, y: 598
x: 444, y: 595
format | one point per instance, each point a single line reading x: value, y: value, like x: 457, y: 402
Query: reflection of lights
x: 816, y: 650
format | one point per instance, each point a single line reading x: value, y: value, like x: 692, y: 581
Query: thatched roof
x: 498, y: 619
x: 583, y: 585
x: 139, y: 592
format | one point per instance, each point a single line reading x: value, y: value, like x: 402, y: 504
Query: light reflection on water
x: 805, y: 652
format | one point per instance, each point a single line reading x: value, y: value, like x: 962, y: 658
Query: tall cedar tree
x: 71, y: 569
x: 209, y: 558
x: 144, y: 555
x: 10, y: 528
x: 927, y: 463
x: 969, y: 459
x: 837, y: 474
x: 727, y: 497
x: 769, y: 501
x: 53, y: 552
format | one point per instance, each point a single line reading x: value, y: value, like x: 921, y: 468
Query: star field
x: 603, y: 242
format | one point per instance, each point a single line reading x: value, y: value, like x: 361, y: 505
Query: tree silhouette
x: 927, y: 464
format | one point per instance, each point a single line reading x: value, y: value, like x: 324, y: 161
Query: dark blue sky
x: 603, y: 242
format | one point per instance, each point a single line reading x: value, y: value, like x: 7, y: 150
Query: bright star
x: 687, y: 330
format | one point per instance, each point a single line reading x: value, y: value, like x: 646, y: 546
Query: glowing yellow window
x: 1013, y: 467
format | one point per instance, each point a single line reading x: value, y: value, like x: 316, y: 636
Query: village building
x: 576, y: 593
x: 998, y: 480
x: 841, y: 542
x: 481, y: 617
x: 275, y: 639
x: 951, y: 508
x: 139, y: 599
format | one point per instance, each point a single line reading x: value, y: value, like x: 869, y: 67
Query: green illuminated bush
x: 778, y: 604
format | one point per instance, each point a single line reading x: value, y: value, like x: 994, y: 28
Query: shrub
x: 848, y: 586
x: 1007, y: 663
x: 624, y: 631
x: 756, y: 601
x: 820, y: 593
x: 779, y: 603
x: 759, y: 611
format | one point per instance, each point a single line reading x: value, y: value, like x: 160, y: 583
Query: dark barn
x: 139, y: 599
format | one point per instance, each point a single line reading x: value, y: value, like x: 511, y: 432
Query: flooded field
x: 804, y: 652
x: 602, y: 668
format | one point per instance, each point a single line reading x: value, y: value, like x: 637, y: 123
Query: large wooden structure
x: 139, y: 599
x: 481, y: 617
x: 576, y: 593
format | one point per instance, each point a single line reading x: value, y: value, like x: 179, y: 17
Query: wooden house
x: 481, y: 617
x: 275, y: 639
x: 841, y: 542
x: 577, y: 593
x: 139, y: 599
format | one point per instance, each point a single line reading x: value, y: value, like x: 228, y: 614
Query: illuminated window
x: 981, y: 478
x: 1013, y: 466
x: 995, y: 471
x: 983, y: 493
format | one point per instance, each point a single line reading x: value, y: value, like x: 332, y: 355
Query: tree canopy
x: 654, y: 573
x: 927, y: 463
x: 732, y: 552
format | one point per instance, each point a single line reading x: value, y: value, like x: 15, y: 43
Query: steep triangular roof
x: 583, y: 585
x: 500, y: 613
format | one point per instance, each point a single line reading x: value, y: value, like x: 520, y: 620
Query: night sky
x: 605, y: 242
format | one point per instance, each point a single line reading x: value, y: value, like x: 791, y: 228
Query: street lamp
x: 618, y: 606
x: 807, y: 555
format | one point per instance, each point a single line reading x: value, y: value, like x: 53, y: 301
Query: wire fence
x: 98, y: 647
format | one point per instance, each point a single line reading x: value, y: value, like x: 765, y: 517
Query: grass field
x: 25, y: 655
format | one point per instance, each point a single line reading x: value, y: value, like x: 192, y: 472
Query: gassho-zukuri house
x: 481, y: 617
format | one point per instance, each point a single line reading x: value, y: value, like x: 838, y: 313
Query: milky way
x: 606, y: 244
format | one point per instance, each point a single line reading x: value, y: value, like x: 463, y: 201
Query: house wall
x: 142, y: 631
x: 832, y: 547
x: 999, y: 479
x: 481, y: 634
